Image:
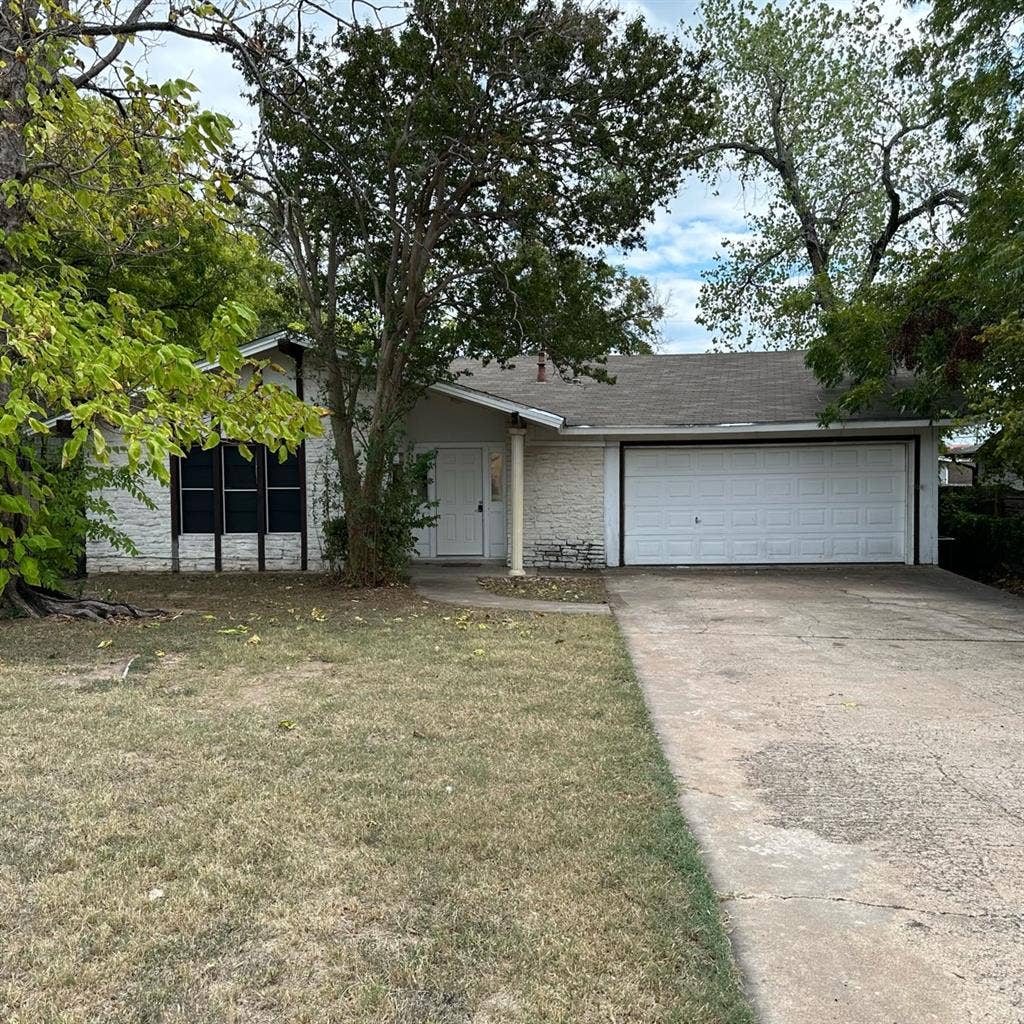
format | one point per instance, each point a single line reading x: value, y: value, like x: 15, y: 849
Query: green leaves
x: 821, y: 116
x: 122, y: 265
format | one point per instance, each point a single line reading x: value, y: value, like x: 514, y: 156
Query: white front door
x: 765, y: 503
x: 459, y: 473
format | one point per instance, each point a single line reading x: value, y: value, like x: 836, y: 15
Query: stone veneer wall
x: 150, y: 529
x: 563, y: 521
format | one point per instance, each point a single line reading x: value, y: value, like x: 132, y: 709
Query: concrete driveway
x: 849, y: 744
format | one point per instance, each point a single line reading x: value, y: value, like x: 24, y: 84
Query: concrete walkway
x: 457, y: 584
x: 849, y: 744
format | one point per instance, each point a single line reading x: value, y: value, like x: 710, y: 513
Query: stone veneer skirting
x: 563, y: 518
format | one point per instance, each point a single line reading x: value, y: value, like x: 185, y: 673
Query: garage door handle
x: 480, y: 507
x: 696, y: 519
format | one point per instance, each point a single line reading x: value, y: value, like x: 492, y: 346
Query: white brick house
x: 690, y: 459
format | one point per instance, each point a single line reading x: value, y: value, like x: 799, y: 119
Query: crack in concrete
x: 984, y: 798
x: 735, y: 896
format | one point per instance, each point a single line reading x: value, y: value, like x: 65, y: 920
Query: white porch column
x: 517, y: 437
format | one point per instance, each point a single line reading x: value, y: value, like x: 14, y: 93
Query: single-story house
x: 712, y: 459
x: 958, y: 465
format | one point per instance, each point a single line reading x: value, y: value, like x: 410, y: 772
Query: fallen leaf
x: 254, y: 640
x: 104, y: 643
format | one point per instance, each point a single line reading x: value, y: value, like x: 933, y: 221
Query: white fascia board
x: 546, y: 419
x: 259, y: 346
x: 701, y: 430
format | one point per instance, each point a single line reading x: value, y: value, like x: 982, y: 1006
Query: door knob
x: 480, y: 506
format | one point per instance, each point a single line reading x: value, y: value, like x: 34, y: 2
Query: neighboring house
x: 712, y: 459
x: 987, y: 472
x: 958, y: 466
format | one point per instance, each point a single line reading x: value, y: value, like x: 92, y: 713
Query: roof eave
x: 481, y: 398
x: 694, y: 429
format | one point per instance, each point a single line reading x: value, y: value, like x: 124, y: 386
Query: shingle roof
x: 672, y: 390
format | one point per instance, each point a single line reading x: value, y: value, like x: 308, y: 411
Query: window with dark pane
x: 239, y: 472
x: 284, y: 504
x: 282, y: 474
x: 240, y: 500
x: 197, y: 469
x: 239, y: 511
x: 196, y: 484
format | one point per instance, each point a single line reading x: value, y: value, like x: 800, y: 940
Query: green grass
x: 382, y: 810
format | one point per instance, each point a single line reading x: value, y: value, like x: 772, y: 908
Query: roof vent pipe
x: 542, y: 366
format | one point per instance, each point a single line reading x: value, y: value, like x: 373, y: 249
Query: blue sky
x: 681, y: 241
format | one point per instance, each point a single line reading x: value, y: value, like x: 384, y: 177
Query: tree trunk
x: 20, y: 599
x: 364, y: 472
x: 368, y: 562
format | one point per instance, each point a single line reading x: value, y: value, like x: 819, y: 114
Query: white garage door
x: 727, y: 505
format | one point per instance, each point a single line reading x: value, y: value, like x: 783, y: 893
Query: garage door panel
x: 650, y: 519
x: 710, y: 460
x: 779, y: 487
x: 741, y: 461
x: 745, y: 488
x: 772, y: 503
x: 777, y: 459
x: 675, y: 488
x: 812, y: 458
x: 880, y: 515
x: 811, y: 487
x: 681, y: 550
x: 811, y: 517
x: 881, y: 484
x: 740, y: 518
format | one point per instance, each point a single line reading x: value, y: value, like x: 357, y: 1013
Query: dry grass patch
x: 584, y: 587
x: 380, y: 810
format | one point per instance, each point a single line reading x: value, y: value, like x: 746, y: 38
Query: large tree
x: 448, y: 186
x: 841, y: 151
x: 957, y: 318
x: 101, y: 171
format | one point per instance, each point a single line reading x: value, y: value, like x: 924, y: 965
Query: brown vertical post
x: 300, y: 392
x: 175, y: 511
x: 218, y: 505
x: 260, y: 455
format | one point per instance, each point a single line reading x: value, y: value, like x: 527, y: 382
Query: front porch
x: 477, y: 485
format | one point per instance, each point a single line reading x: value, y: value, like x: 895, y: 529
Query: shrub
x: 987, y: 545
x: 404, y: 509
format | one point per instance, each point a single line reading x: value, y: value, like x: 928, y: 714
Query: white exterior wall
x: 150, y: 529
x: 564, y: 511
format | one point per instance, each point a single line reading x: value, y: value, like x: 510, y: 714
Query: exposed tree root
x: 40, y: 602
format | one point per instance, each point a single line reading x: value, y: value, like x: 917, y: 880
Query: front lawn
x: 304, y: 805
